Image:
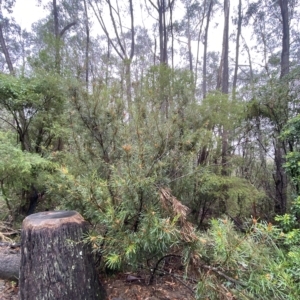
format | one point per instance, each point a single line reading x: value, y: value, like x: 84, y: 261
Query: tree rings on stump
x: 55, y: 263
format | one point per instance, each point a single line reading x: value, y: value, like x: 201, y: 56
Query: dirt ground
x: 167, y: 288
x: 119, y: 288
x: 168, y: 284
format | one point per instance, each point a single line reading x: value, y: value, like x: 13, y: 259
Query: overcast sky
x: 27, y: 12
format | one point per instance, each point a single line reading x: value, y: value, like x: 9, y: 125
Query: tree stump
x: 55, y: 263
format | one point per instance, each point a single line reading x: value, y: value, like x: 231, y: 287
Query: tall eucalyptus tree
x: 204, y: 69
x: 223, y: 81
x: 5, y: 26
x: 281, y: 181
x: 272, y: 103
x: 163, y: 7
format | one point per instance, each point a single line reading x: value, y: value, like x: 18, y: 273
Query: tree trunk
x: 55, y: 263
x: 127, y: 65
x: 57, y: 39
x: 237, y: 49
x: 87, y: 46
x: 172, y: 33
x: 161, y: 8
x: 280, y: 178
x: 280, y: 175
x: 161, y: 34
x: 285, y: 53
x: 189, y: 43
x: 4, y: 49
x: 204, y: 91
x: 225, y: 83
x: 225, y: 68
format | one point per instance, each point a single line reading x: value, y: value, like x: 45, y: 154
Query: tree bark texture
x: 9, y: 266
x: 225, y: 82
x: 55, y: 263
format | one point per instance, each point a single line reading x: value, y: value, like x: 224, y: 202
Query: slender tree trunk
x: 205, y: 49
x: 87, y: 46
x: 107, y: 63
x: 225, y: 69
x: 237, y: 48
x: 57, y: 39
x: 59, y: 141
x: 161, y: 8
x: 281, y: 181
x: 285, y: 53
x: 280, y: 178
x: 4, y: 48
x: 128, y: 82
x: 189, y: 43
x: 154, y: 54
x: 225, y: 83
x: 198, y: 44
x: 162, y: 33
x: 165, y: 32
x: 203, y: 153
x: 3, y: 44
x: 172, y: 34
x: 128, y: 61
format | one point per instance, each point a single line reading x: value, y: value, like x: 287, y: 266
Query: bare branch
x: 98, y: 15
x: 115, y: 29
x: 67, y: 27
x: 11, y: 124
x: 153, y: 5
x: 216, y: 270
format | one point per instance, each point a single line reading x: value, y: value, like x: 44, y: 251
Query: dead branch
x: 222, y: 274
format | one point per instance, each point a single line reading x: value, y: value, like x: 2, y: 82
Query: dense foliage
x: 162, y: 162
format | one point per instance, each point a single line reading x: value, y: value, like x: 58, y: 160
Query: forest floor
x: 118, y: 288
x: 168, y: 284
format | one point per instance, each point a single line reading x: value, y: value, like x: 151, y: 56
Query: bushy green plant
x: 19, y: 170
x: 133, y: 172
x: 245, y: 266
x: 33, y: 109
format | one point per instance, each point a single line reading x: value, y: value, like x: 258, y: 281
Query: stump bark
x: 55, y: 263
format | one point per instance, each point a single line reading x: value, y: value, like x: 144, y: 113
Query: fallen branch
x: 157, y: 264
x: 216, y: 270
x: 10, y: 233
x: 9, y: 266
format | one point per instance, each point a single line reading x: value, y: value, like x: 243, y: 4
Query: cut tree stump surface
x: 52, y: 219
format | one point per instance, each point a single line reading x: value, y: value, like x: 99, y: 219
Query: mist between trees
x: 164, y: 144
